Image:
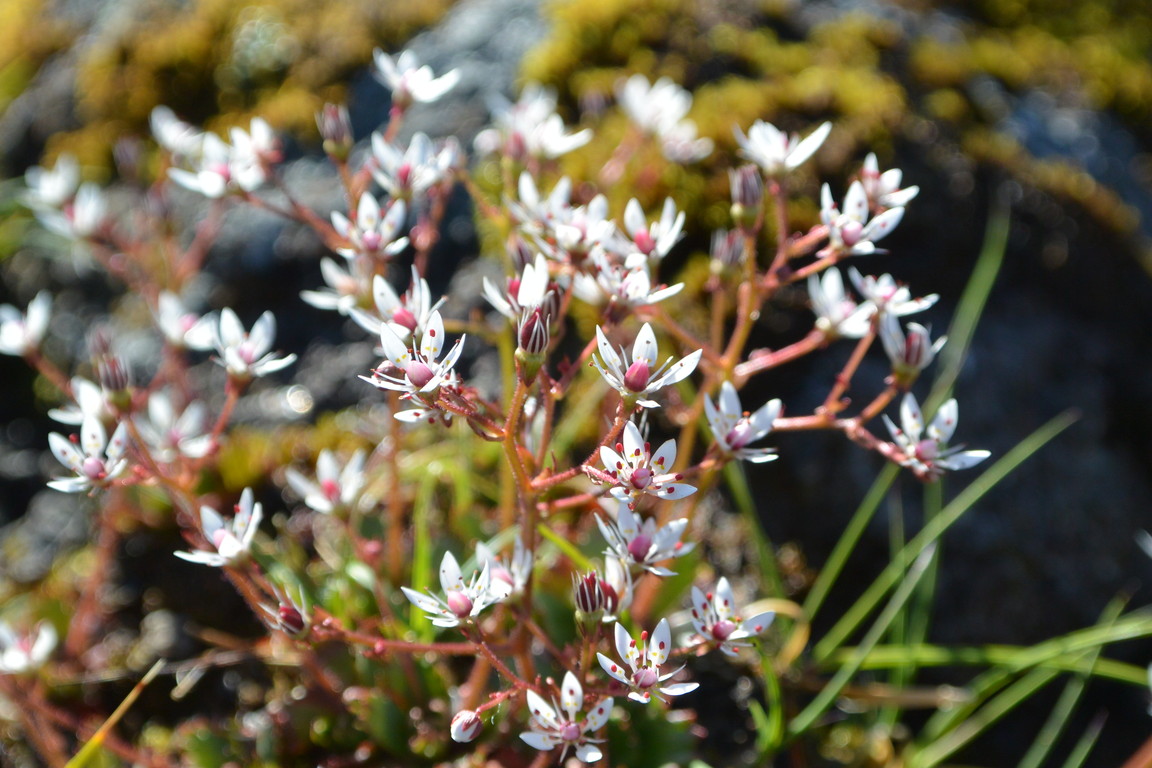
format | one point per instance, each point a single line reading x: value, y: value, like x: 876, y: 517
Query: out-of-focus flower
x: 232, y: 543
x: 173, y: 134
x: 656, y: 239
x: 734, y: 428
x: 511, y: 578
x: 27, y: 652
x: 837, y: 314
x: 926, y: 451
x: 371, y: 234
x: 888, y: 296
x: 89, y: 401
x: 727, y: 250
x: 661, y: 109
x: 422, y: 374
x: 335, y: 488
x: 49, y: 189
x: 217, y: 168
x: 80, y: 219
x: 775, y: 151
x: 409, y: 81
x: 716, y: 619
x: 529, y: 128
x: 344, y: 289
x: 22, y: 332
x: 175, y: 321
x: 747, y: 186
x: 629, y: 285
x: 644, y: 659
x: 245, y: 354
x: 461, y: 601
x: 555, y: 726
x: 637, y: 471
x: 523, y: 293
x: 909, y: 354
x: 643, y: 543
x: 406, y: 316
x: 169, y: 435
x: 413, y: 171
x: 847, y: 231
x: 883, y: 189
x: 336, y: 131
x: 97, y: 461
x: 636, y: 381
x: 465, y: 726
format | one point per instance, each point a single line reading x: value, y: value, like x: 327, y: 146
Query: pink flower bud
x: 465, y: 726
x: 418, y: 373
x: 459, y: 603
x: 636, y: 377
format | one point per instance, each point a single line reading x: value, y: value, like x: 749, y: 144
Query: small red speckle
x: 643, y: 636
x: 615, y: 668
x: 662, y: 646
x: 432, y: 332
x: 758, y: 627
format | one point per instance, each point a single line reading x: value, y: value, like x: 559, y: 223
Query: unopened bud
x: 290, y: 620
x: 532, y: 340
x: 727, y: 249
x: 747, y: 196
x: 465, y: 726
x: 116, y: 381
x: 336, y: 131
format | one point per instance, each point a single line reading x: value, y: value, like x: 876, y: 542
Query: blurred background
x: 1041, y: 108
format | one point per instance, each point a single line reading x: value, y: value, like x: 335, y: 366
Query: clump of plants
x: 520, y: 568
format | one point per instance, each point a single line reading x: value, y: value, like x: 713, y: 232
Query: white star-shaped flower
x: 716, y: 620
x: 461, y: 601
x: 775, y: 151
x: 734, y: 428
x: 640, y: 378
x: 637, y: 471
x: 555, y: 726
x: 644, y: 660
x: 643, y: 543
x: 97, y: 461
x: 231, y: 542
x: 926, y: 451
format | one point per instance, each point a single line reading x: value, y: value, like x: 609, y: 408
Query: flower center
x: 722, y: 630
x: 639, y: 546
x: 418, y: 373
x: 93, y: 468
x: 570, y: 732
x: 641, y: 477
x: 636, y: 377
x: 645, y: 677
x: 459, y: 603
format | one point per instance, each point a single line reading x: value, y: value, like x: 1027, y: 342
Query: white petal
x: 645, y: 346
x: 660, y: 643
x: 911, y: 419
x: 613, y: 669
x: 541, y: 710
x: 571, y: 695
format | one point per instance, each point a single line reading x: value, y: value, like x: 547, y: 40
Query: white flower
x: 911, y: 353
x: 52, y: 188
x: 734, y: 428
x: 420, y: 375
x: 409, y: 81
x: 846, y: 229
x: 530, y: 127
x: 20, y: 332
x: 888, y: 296
x: 98, y: 460
x: 169, y: 435
x: 28, y: 652
x: 774, y: 150
x: 461, y: 601
x: 715, y: 618
x: 656, y: 239
x: 837, y: 314
x: 232, y: 543
x: 335, y: 487
x: 510, y: 579
x: 629, y: 284
x: 405, y: 315
x: 372, y: 234
x: 551, y: 729
x: 643, y: 544
x: 644, y: 659
x: 538, y: 215
x: 175, y: 321
x: 926, y: 452
x: 245, y: 354
x: 524, y: 293
x: 173, y: 134
x: 637, y: 380
x: 218, y: 168
x: 344, y: 289
x: 638, y: 471
x: 80, y: 220
x: 883, y: 189
x: 660, y: 109
x: 414, y: 170
x: 89, y: 401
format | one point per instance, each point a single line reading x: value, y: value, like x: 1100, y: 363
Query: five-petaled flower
x: 926, y: 451
x: 847, y: 231
x: 636, y: 381
x: 715, y: 618
x: 336, y: 488
x: 98, y: 460
x: 410, y: 81
x: 643, y: 543
x: 555, y: 726
x: 734, y: 428
x: 244, y: 354
x: 461, y: 601
x: 231, y: 542
x: 644, y: 660
x: 638, y: 471
x: 419, y: 374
